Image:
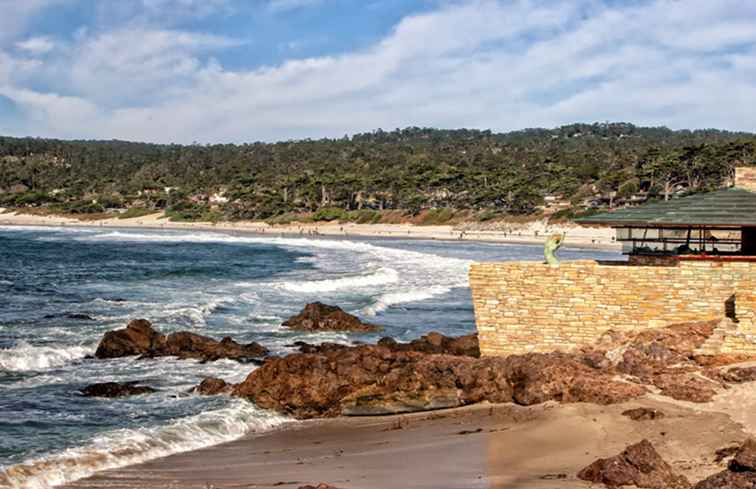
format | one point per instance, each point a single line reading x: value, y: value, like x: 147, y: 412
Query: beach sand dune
x: 483, y: 446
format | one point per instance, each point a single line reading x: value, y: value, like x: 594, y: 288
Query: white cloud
x: 486, y: 63
x: 36, y: 45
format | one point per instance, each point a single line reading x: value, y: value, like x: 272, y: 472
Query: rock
x: 725, y: 452
x: 319, y: 486
x: 685, y: 386
x: 729, y: 480
x: 540, y: 377
x: 745, y: 458
x: 212, y: 386
x: 437, y: 343
x: 370, y: 379
x: 116, y: 389
x: 322, y: 317
x: 652, y: 351
x: 738, y: 375
x: 320, y: 348
x: 139, y: 338
x: 643, y: 414
x: 71, y: 315
x: 184, y: 344
x: 740, y: 473
x: 639, y: 465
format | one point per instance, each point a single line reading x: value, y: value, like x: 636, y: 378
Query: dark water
x: 213, y: 284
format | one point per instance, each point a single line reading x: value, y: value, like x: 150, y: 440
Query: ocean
x: 61, y: 289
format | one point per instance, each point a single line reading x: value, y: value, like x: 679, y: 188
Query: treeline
x: 576, y: 168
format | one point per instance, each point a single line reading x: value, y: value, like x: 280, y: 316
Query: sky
x: 217, y: 71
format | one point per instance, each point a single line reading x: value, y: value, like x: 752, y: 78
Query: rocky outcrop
x: 116, y: 389
x: 212, y: 386
x: 665, y: 358
x: 540, y: 377
x: 638, y: 465
x: 378, y: 380
x: 139, y: 338
x: 319, y: 486
x: 322, y: 317
x: 740, y: 473
x: 136, y: 339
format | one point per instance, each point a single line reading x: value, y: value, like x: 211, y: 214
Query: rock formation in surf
x: 322, y: 317
x: 139, y: 338
x: 116, y: 389
x: 212, y: 386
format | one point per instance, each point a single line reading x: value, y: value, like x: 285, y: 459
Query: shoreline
x: 493, y: 446
x: 533, y: 233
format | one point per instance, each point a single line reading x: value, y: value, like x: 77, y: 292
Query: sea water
x: 61, y: 289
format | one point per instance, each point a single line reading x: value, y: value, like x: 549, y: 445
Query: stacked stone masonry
x: 529, y: 306
x: 745, y: 177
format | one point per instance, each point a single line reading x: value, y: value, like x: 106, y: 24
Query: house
x: 689, y: 259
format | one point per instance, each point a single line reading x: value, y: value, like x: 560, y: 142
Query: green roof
x: 732, y: 207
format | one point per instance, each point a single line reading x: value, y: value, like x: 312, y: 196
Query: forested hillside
x: 571, y: 169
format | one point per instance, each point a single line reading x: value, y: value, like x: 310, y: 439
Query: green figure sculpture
x: 551, y: 247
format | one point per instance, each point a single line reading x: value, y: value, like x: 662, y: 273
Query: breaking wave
x: 417, y: 276
x: 393, y: 298
x: 381, y: 277
x: 25, y: 357
x: 131, y: 446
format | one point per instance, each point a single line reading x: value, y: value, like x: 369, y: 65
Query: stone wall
x: 745, y: 177
x: 530, y: 306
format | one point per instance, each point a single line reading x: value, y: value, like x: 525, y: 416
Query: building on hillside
x: 690, y: 259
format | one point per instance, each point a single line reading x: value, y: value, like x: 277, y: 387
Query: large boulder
x: 322, y: 317
x: 139, y: 338
x: 116, y: 389
x: 638, y: 465
x: 136, y: 339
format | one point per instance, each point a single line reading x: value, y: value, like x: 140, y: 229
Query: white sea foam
x: 26, y: 357
x: 402, y: 297
x: 197, y: 315
x: 130, y: 446
x: 420, y: 276
x: 381, y: 277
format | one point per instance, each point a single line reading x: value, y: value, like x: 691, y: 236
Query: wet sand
x: 516, y: 233
x: 483, y: 446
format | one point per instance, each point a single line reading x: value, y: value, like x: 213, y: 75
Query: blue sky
x: 235, y: 71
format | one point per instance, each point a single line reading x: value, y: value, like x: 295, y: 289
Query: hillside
x: 560, y: 172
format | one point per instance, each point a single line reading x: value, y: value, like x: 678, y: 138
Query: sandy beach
x: 482, y: 446
x: 517, y: 233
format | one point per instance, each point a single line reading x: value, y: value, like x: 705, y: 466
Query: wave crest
x: 381, y: 277
x: 25, y: 357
